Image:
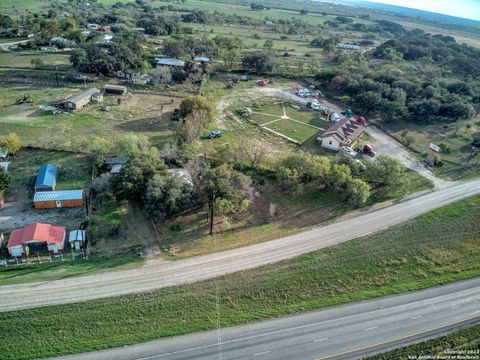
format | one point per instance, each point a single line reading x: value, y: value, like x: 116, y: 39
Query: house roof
x: 201, y: 58
x: 344, y: 129
x: 169, y: 62
x: 58, y: 195
x: 113, y: 160
x: 37, y: 232
x: 115, y: 87
x: 76, y: 235
x: 46, y: 175
x: 82, y: 95
x: 4, y: 165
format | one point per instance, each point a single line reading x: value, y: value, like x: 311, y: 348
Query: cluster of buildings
x: 39, y: 236
x: 92, y: 95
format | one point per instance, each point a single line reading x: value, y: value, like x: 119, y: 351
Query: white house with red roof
x: 52, y: 236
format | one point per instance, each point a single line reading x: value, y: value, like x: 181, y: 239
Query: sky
x: 469, y: 9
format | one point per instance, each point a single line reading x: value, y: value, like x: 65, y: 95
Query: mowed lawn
x: 435, y: 248
x: 292, y: 129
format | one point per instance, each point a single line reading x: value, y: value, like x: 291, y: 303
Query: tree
x: 259, y: 63
x: 131, y: 182
x: 356, y: 192
x: 170, y: 152
x: 98, y: 147
x: 392, y: 110
x: 167, y: 195
x: 369, y: 100
x: 224, y: 183
x: 268, y: 44
x: 36, y: 62
x: 387, y: 172
x: 302, y: 168
x: 196, y: 103
x: 303, y: 11
x: 11, y: 143
x: 5, y: 179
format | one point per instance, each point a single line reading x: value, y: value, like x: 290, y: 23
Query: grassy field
x: 61, y: 270
x: 461, y: 340
x: 297, y: 123
x: 37, y: 127
x: 22, y: 59
x: 433, y: 249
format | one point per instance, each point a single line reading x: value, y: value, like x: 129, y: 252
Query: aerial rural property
x: 230, y: 179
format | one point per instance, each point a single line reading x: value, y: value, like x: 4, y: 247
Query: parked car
x: 303, y: 93
x: 348, y: 151
x: 315, y: 105
x: 215, y: 134
x: 368, y: 150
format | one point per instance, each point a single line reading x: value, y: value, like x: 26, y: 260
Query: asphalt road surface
x: 171, y: 273
x: 345, y: 332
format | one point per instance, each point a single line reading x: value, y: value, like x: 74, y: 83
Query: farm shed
x: 58, y: 199
x: 343, y: 133
x: 348, y: 47
x: 36, y: 234
x: 46, y: 178
x: 169, y: 62
x: 79, y: 100
x: 115, y: 89
x: 77, y: 237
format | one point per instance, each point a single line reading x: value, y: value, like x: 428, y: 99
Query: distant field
x: 433, y: 249
x: 23, y: 59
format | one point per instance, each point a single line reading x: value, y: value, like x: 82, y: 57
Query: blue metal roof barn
x: 46, y: 178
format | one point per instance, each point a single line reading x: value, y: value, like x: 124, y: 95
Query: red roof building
x: 53, y: 236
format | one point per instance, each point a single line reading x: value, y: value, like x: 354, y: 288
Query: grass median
x: 433, y: 249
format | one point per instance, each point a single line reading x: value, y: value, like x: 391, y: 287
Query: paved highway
x: 345, y: 332
x: 170, y: 273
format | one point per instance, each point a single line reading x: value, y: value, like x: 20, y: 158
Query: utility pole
x: 212, y: 212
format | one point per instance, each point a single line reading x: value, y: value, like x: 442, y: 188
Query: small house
x: 114, y: 164
x: 79, y: 100
x: 46, y: 178
x: 169, y: 62
x: 345, y: 132
x: 115, y: 89
x: 58, y: 199
x: 58, y: 41
x: 36, y: 234
x: 77, y: 238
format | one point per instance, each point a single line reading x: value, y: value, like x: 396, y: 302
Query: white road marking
x: 320, y: 340
x: 261, y: 353
x: 416, y: 317
x: 371, y: 328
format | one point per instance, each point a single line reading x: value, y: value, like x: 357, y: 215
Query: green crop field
x: 435, y: 248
